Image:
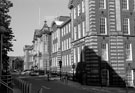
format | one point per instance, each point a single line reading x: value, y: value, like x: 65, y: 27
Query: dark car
x: 33, y: 73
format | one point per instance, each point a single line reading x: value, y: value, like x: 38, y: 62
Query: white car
x: 25, y: 72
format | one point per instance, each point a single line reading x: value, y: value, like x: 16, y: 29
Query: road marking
x: 46, y: 87
x: 38, y: 79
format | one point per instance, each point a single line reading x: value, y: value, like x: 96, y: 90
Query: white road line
x: 46, y: 87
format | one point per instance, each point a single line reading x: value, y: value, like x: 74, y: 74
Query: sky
x: 28, y: 15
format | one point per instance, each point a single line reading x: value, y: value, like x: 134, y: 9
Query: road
x: 52, y: 86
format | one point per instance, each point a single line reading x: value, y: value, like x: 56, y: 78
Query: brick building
x: 103, y: 39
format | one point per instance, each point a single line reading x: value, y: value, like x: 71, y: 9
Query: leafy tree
x: 5, y: 20
x: 18, y: 63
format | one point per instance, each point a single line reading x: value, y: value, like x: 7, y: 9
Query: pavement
x: 16, y: 90
x: 97, y: 89
x: 91, y: 89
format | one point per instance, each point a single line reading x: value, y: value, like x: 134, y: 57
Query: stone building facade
x: 28, y: 56
x: 108, y: 40
x: 42, y: 48
x: 61, y: 33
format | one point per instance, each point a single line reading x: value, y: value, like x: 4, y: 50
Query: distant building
x: 11, y: 62
x: 28, y: 56
x: 42, y: 48
x: 104, y: 31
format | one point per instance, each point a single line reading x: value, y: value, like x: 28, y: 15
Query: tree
x: 5, y: 20
x: 18, y: 63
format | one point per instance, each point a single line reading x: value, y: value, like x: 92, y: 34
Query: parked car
x: 70, y: 75
x: 25, y: 72
x: 33, y: 73
x: 53, y: 74
x: 15, y: 72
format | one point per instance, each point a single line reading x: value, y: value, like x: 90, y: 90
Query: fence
x: 40, y: 90
x: 6, y: 83
x: 24, y: 86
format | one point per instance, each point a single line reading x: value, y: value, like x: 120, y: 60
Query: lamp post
x: 2, y: 31
x: 60, y: 64
x: 73, y: 67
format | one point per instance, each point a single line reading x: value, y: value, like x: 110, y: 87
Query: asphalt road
x: 52, y: 86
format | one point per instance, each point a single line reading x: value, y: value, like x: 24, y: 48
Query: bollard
x: 30, y: 87
x: 23, y: 86
x: 26, y: 88
x: 40, y: 90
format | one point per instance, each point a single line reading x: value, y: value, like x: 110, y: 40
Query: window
x: 82, y: 51
x: 52, y: 36
x: 125, y: 4
x: 78, y: 49
x: 102, y: 4
x: 69, y: 42
x: 52, y: 62
x: 134, y: 5
x: 62, y: 46
x: 53, y: 48
x: 62, y: 60
x: 75, y: 33
x: 67, y: 60
x: 78, y: 9
x: 74, y: 55
x: 103, y: 25
x: 83, y: 7
x: 83, y: 28
x: 65, y: 44
x: 57, y: 46
x: 79, y: 31
x: 128, y: 52
x: 74, y: 13
x: 62, y: 31
x: 126, y: 26
x: 104, y: 54
x: 69, y: 27
x: 56, y: 62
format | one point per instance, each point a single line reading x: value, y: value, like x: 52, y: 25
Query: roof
x: 45, y: 29
x: 37, y: 33
x: 70, y: 4
x: 59, y: 21
x: 28, y: 47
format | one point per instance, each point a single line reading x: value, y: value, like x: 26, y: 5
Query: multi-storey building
x: 28, y: 56
x: 42, y: 48
x: 108, y: 36
x: 61, y: 38
x: 65, y: 45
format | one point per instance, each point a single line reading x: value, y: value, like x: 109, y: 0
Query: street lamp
x: 60, y: 64
x: 2, y: 31
x: 73, y: 67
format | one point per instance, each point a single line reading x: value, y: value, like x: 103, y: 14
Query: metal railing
x: 6, y: 81
x: 24, y: 86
